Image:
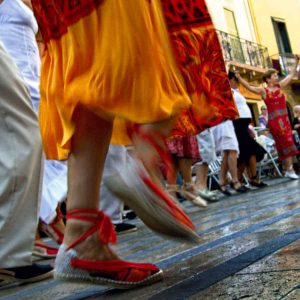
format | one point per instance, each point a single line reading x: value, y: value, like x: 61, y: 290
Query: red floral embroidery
x: 54, y: 16
x: 180, y: 13
x: 200, y: 59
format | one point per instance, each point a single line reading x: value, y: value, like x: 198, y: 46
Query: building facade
x: 276, y: 25
x: 256, y: 35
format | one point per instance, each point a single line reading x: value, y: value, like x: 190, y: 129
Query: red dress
x: 279, y: 123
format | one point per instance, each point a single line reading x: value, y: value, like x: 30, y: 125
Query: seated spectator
x: 263, y: 118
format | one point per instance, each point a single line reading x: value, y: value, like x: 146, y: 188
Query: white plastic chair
x: 270, y: 160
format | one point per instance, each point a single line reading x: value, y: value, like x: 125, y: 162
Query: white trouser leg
x: 109, y: 204
x: 20, y: 167
x: 54, y: 189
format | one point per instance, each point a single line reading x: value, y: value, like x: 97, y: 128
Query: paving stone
x: 257, y: 286
x: 228, y: 229
x: 294, y: 295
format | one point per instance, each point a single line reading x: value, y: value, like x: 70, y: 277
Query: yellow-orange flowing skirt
x: 111, y: 56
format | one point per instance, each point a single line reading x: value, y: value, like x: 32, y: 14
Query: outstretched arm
x: 251, y: 88
x: 286, y: 81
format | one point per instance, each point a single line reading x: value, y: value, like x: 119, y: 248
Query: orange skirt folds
x: 199, y: 56
x: 111, y: 56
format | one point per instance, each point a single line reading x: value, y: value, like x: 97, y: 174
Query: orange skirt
x: 111, y: 56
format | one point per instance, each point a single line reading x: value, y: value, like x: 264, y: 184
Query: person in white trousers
x: 18, y: 31
x: 20, y: 178
x: 117, y: 157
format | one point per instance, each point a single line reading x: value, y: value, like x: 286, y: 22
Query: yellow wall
x: 288, y: 10
x: 241, y: 13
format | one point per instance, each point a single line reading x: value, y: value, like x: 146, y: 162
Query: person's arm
x: 286, y: 81
x: 40, y: 43
x: 251, y: 88
x: 27, y: 2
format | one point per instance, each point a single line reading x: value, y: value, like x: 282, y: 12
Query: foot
x: 27, y: 274
x: 55, y: 230
x: 291, y: 175
x: 89, y: 248
x: 190, y: 193
x: 41, y: 249
x: 238, y: 187
x: 88, y: 258
x: 152, y: 204
x: 129, y: 214
x: 224, y: 188
x: 258, y: 183
x: 125, y: 228
x: 208, y: 195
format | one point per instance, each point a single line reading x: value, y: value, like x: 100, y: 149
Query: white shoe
x: 291, y: 175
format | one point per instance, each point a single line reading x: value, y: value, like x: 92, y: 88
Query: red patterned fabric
x: 184, y: 147
x: 201, y: 63
x: 54, y: 16
x: 279, y: 124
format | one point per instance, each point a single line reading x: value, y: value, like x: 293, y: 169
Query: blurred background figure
x: 278, y: 119
x: 263, y: 117
x: 250, y: 151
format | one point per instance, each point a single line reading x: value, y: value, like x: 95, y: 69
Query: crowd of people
x: 127, y: 100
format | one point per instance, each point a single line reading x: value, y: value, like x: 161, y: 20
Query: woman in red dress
x: 278, y: 122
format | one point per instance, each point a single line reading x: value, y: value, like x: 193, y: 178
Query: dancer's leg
x: 232, y: 165
x: 201, y: 176
x: 224, y: 168
x: 86, y: 162
x: 145, y: 150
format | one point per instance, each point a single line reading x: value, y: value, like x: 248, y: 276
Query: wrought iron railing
x: 244, y: 51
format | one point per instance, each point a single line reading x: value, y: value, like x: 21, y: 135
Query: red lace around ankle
x: 102, y: 224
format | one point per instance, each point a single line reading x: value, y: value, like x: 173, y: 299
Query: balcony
x: 243, y: 51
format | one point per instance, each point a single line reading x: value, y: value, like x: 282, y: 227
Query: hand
x: 237, y: 75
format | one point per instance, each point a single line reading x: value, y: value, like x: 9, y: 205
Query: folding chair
x: 269, y: 162
x: 214, y: 169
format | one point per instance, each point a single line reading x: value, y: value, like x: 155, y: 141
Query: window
x: 230, y: 20
x: 282, y: 36
x: 234, y: 43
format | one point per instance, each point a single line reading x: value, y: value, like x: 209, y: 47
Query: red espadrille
x: 53, y: 230
x: 152, y: 204
x: 43, y: 250
x: 115, y: 273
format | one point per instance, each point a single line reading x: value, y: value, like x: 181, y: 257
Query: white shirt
x: 18, y: 28
x: 241, y: 104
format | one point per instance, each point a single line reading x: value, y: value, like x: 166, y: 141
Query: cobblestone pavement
x: 249, y: 249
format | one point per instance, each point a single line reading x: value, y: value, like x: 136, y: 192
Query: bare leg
x: 252, y: 167
x: 232, y: 165
x: 201, y: 176
x: 241, y: 170
x: 224, y: 168
x: 185, y: 168
x: 188, y: 189
x: 289, y: 165
x: 86, y: 162
x: 172, y: 186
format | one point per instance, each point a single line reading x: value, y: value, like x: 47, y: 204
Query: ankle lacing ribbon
x: 102, y: 224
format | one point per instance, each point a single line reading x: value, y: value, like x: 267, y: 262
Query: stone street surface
x: 249, y: 249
